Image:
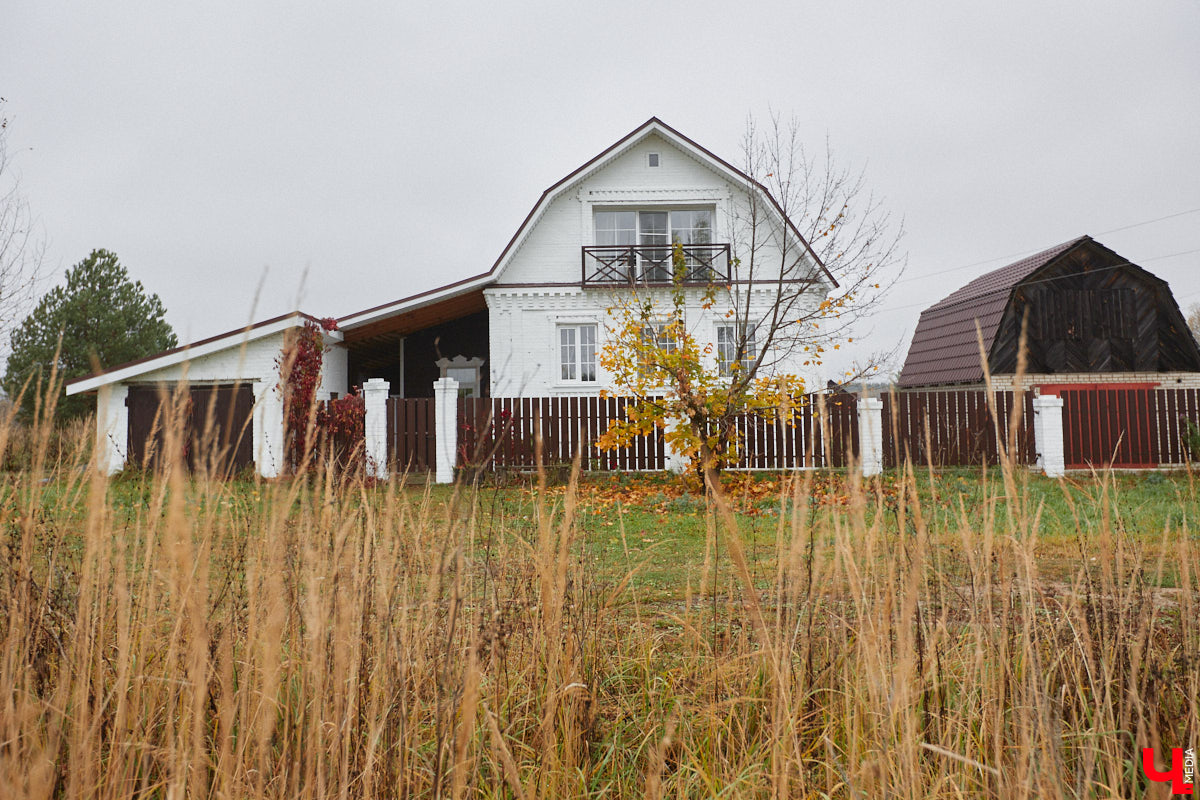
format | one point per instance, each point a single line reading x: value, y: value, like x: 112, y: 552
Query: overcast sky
x: 386, y: 148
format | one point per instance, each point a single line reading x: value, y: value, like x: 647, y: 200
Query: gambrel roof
x: 945, y: 345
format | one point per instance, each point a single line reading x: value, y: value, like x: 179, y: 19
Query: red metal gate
x: 1108, y: 424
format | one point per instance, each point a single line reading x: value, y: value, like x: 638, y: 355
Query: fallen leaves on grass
x: 752, y: 494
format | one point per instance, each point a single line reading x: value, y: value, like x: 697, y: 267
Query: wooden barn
x: 1091, y: 317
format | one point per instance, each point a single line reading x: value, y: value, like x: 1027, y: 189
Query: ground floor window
x: 577, y: 352
x: 727, y: 348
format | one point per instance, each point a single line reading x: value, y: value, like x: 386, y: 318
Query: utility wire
x: 1048, y: 280
x: 1031, y: 252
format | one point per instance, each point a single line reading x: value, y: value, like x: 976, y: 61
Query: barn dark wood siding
x: 1091, y: 311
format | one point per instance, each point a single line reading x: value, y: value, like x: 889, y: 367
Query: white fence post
x: 445, y: 418
x: 870, y: 435
x: 375, y: 395
x: 1048, y: 434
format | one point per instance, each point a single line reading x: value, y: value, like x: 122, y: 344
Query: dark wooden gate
x: 1108, y: 425
x: 410, y: 433
x: 216, y: 425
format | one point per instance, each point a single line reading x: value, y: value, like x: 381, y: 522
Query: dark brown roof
x: 945, y: 346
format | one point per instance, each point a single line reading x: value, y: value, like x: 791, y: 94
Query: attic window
x: 652, y: 159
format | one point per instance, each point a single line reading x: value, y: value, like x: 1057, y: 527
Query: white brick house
x: 532, y: 324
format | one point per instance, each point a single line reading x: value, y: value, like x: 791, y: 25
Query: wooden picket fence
x: 955, y: 428
x: 502, y: 433
x: 821, y: 432
x: 1102, y: 426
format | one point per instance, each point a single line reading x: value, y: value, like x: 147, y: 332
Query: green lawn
x: 659, y: 528
x: 656, y: 525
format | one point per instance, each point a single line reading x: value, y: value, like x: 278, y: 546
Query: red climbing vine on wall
x: 338, y: 423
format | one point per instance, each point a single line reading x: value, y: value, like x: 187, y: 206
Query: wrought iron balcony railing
x: 650, y: 265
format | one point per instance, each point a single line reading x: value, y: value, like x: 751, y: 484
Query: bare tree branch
x: 22, y: 249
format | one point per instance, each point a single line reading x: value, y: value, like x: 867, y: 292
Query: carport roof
x: 131, y: 369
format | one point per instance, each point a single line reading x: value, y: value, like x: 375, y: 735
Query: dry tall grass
x: 175, y: 636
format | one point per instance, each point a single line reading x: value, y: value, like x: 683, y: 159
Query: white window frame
x: 669, y: 210
x: 657, y: 325
x: 576, y: 366
x: 725, y: 368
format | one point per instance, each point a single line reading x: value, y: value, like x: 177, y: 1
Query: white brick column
x: 445, y: 417
x: 1048, y: 435
x: 112, y: 428
x: 375, y: 395
x: 870, y: 435
x: 268, y: 429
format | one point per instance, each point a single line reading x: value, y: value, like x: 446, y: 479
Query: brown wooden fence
x: 1126, y: 426
x: 771, y: 441
x: 502, y: 432
x: 410, y: 433
x: 1173, y: 409
x: 953, y: 428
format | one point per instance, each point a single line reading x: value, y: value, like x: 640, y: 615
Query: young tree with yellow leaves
x: 813, y: 254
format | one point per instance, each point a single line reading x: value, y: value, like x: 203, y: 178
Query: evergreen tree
x: 104, y: 318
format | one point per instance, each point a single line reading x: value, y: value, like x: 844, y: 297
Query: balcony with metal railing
x: 653, y: 265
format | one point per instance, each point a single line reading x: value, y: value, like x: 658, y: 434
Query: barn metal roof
x: 945, y: 346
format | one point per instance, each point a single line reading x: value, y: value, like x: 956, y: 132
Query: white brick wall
x: 1166, y: 380
x: 524, y: 336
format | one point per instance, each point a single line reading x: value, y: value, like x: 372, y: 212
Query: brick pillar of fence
x: 375, y: 395
x: 112, y: 428
x: 870, y: 435
x: 674, y: 460
x: 445, y: 423
x: 1048, y: 435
